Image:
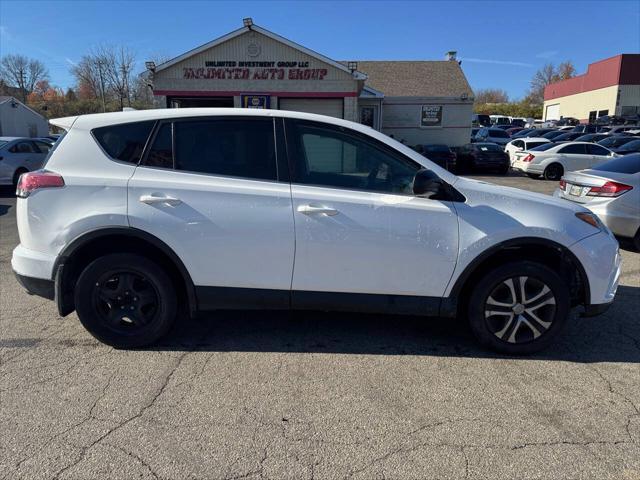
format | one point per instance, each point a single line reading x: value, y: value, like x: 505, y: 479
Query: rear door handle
x: 154, y: 199
x: 317, y: 210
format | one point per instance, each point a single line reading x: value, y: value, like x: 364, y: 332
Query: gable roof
x: 6, y: 98
x: 408, y: 78
x: 356, y: 74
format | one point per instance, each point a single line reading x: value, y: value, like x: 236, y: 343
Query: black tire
x: 504, y: 171
x: 553, y: 172
x: 535, y: 176
x: 125, y: 300
x: 16, y: 176
x: 511, y: 327
x: 636, y: 240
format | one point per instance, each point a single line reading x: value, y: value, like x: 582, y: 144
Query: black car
x: 567, y: 121
x: 482, y: 156
x: 539, y: 132
x: 522, y: 133
x: 627, y: 148
x: 517, y: 122
x: 441, y: 155
x: 615, y: 141
x: 568, y: 137
x: 504, y: 126
x: 553, y: 134
x: 591, y: 137
x: 585, y: 128
x: 610, y: 120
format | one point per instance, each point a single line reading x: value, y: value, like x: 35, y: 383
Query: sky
x: 501, y: 43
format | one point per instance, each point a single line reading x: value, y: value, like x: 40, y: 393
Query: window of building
x: 337, y: 157
x: 592, y: 116
x: 602, y: 113
x: 124, y: 142
x: 237, y: 147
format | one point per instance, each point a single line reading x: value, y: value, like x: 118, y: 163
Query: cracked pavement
x: 248, y: 395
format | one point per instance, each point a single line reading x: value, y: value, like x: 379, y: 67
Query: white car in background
x: 526, y: 143
x: 611, y: 190
x: 552, y: 160
x: 20, y: 155
x: 492, y: 135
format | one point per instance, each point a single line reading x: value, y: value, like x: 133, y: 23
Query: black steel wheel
x: 519, y: 308
x: 125, y: 300
x: 553, y: 172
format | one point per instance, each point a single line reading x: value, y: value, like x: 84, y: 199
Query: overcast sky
x: 501, y: 44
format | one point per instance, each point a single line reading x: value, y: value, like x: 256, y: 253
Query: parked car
x: 513, y: 130
x: 565, y: 128
x: 614, y: 141
x: 550, y: 123
x: 46, y: 140
x: 441, y: 155
x: 621, y: 129
x: 567, y: 137
x: 480, y: 120
x: 610, y: 120
x: 518, y: 122
x: 474, y: 131
x: 504, y: 127
x: 20, y: 155
x: 627, y: 148
x: 522, y: 133
x: 500, y: 120
x: 201, y: 209
x: 567, y: 121
x: 552, y: 134
x: 482, y: 156
x: 585, y: 128
x: 520, y: 144
x: 534, y: 124
x: 611, y: 190
x: 539, y: 132
x: 591, y: 137
x: 493, y: 135
x: 552, y: 160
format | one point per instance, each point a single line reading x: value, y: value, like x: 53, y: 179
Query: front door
x: 209, y: 188
x: 359, y: 229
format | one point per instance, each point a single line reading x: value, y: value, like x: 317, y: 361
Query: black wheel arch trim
x: 92, y: 235
x: 450, y: 303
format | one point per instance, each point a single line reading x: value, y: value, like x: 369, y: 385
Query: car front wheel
x: 519, y: 308
x: 125, y: 300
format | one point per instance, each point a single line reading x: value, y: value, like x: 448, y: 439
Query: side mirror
x: 427, y: 184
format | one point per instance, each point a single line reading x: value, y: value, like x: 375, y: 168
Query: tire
x: 16, y: 176
x: 553, y: 172
x: 504, y: 323
x: 636, y: 240
x: 504, y: 171
x: 125, y: 300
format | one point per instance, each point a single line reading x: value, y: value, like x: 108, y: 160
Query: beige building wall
x: 629, y: 98
x: 579, y: 105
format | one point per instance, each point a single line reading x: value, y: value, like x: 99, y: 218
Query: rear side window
x: 627, y: 164
x: 578, y: 148
x: 597, y: 150
x: 231, y: 147
x: 124, y: 142
x: 543, y: 147
x: 535, y: 144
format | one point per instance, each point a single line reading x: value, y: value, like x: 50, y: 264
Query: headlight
x: 592, y: 219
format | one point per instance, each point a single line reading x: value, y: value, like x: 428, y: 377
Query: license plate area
x: 576, y: 190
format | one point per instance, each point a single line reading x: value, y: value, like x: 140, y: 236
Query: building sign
x: 249, y: 70
x: 255, y: 101
x: 431, y: 116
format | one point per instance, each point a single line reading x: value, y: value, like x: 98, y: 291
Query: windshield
x: 496, y: 133
x: 631, y: 146
x: 3, y: 143
x: 627, y: 164
x: 543, y: 147
x: 615, y: 141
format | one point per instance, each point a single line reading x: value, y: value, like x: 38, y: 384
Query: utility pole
x: 104, y: 105
x: 22, y: 85
x: 125, y: 83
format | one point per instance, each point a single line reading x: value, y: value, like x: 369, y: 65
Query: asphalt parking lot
x: 315, y: 395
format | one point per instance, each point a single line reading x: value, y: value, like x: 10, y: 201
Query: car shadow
x: 7, y: 191
x: 611, y: 337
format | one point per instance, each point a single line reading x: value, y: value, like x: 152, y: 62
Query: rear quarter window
x: 124, y: 142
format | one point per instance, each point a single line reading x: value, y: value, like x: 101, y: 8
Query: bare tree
x: 117, y: 64
x: 546, y: 75
x: 22, y: 72
x: 565, y: 70
x: 87, y: 75
x: 491, y: 95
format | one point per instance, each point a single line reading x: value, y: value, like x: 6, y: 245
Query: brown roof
x: 416, y: 78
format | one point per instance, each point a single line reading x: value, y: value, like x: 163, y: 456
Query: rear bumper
x: 37, y: 286
x: 30, y: 263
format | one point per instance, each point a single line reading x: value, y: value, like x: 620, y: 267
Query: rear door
x: 211, y: 189
x: 598, y: 153
x: 359, y: 229
x: 575, y: 156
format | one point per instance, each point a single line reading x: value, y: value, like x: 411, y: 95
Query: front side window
x: 161, y: 151
x: 124, y: 142
x: 22, y: 147
x: 234, y: 147
x: 337, y: 157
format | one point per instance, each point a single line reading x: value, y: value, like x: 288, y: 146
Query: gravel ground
x: 315, y: 395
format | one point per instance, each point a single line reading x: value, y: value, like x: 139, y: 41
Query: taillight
x: 563, y: 184
x: 32, y: 181
x: 528, y: 158
x: 609, y: 189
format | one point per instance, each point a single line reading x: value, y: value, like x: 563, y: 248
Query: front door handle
x: 317, y: 210
x: 153, y: 199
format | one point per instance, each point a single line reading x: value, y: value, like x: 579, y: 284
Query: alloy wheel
x: 520, y: 309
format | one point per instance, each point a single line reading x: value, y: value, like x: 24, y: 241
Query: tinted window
x: 543, y: 147
x: 42, y: 147
x: 594, y: 149
x: 124, y: 142
x: 497, y: 133
x: 578, y: 148
x: 161, y: 151
x: 22, y: 147
x: 627, y: 164
x: 489, y: 147
x: 535, y: 144
x: 631, y: 146
x: 518, y: 143
x: 234, y: 147
x: 337, y: 157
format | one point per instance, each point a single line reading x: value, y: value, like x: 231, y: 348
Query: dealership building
x: 610, y: 87
x: 418, y: 102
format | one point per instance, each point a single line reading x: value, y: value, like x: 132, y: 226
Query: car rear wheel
x: 636, y: 240
x: 553, y: 172
x: 125, y: 300
x: 519, y: 308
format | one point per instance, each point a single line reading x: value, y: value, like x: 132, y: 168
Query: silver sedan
x: 611, y: 190
x: 20, y: 155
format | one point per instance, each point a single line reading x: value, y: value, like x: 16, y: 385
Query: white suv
x: 139, y: 212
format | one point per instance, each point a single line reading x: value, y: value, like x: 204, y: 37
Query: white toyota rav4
x: 138, y: 212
